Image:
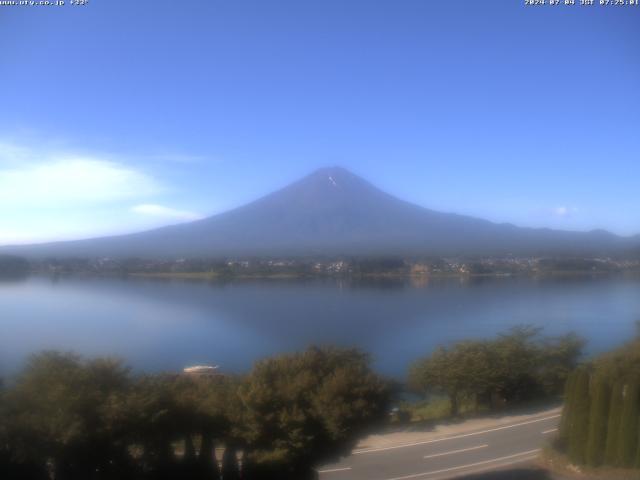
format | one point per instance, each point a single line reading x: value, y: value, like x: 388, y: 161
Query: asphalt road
x: 449, y: 457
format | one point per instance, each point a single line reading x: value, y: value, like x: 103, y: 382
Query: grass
x: 558, y: 463
x: 434, y: 408
x: 438, y: 408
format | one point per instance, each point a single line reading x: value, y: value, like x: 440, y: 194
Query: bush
x: 311, y: 407
x: 92, y: 420
x: 516, y: 367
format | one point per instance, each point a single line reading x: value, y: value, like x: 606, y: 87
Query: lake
x: 169, y: 324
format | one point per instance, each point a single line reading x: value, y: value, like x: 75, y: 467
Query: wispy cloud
x: 50, y: 192
x: 165, y: 212
x: 31, y: 178
x: 564, y: 211
x: 68, y: 181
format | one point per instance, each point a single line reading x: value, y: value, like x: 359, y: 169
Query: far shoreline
x: 208, y: 276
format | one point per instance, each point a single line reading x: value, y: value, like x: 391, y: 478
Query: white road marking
x: 331, y: 470
x: 455, y: 437
x: 551, y: 430
x: 491, y: 467
x: 452, y: 452
x: 470, y: 465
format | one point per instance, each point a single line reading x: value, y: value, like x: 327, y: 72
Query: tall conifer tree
x: 628, y: 433
x: 598, y: 417
x: 615, y: 412
x: 579, y: 428
x: 567, y: 411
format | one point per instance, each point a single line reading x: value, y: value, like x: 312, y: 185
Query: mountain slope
x: 333, y: 211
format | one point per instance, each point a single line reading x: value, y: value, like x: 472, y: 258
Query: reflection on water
x: 11, y: 277
x: 167, y: 324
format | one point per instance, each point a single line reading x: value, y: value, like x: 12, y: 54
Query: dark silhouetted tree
x: 230, y: 470
x: 62, y: 416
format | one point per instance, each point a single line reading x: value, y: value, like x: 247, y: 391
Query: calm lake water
x: 166, y: 325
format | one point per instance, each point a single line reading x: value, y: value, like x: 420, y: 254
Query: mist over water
x: 166, y: 325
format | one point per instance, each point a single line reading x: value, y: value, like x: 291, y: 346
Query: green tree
x: 567, y: 411
x: 598, y: 417
x: 613, y: 424
x: 628, y: 432
x: 59, y: 414
x: 605, y: 412
x: 579, y: 427
x: 517, y: 366
x: 464, y: 371
x: 307, y: 408
x: 169, y: 410
x: 558, y: 357
x: 637, y: 462
x: 218, y: 417
x: 518, y: 360
x: 153, y: 422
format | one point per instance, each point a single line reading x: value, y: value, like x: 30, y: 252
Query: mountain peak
x: 334, y: 177
x: 334, y: 170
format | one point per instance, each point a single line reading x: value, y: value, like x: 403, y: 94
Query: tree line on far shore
x: 13, y: 266
x: 68, y: 418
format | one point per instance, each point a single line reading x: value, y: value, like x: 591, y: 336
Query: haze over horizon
x: 512, y: 114
x: 334, y: 212
x: 321, y: 197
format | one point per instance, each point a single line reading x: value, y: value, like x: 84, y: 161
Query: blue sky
x: 123, y: 115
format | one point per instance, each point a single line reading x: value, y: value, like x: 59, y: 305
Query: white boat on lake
x: 202, y: 370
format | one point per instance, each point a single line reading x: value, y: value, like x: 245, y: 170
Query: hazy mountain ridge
x: 333, y: 211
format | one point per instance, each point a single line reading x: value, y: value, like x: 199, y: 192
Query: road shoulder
x: 400, y: 439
